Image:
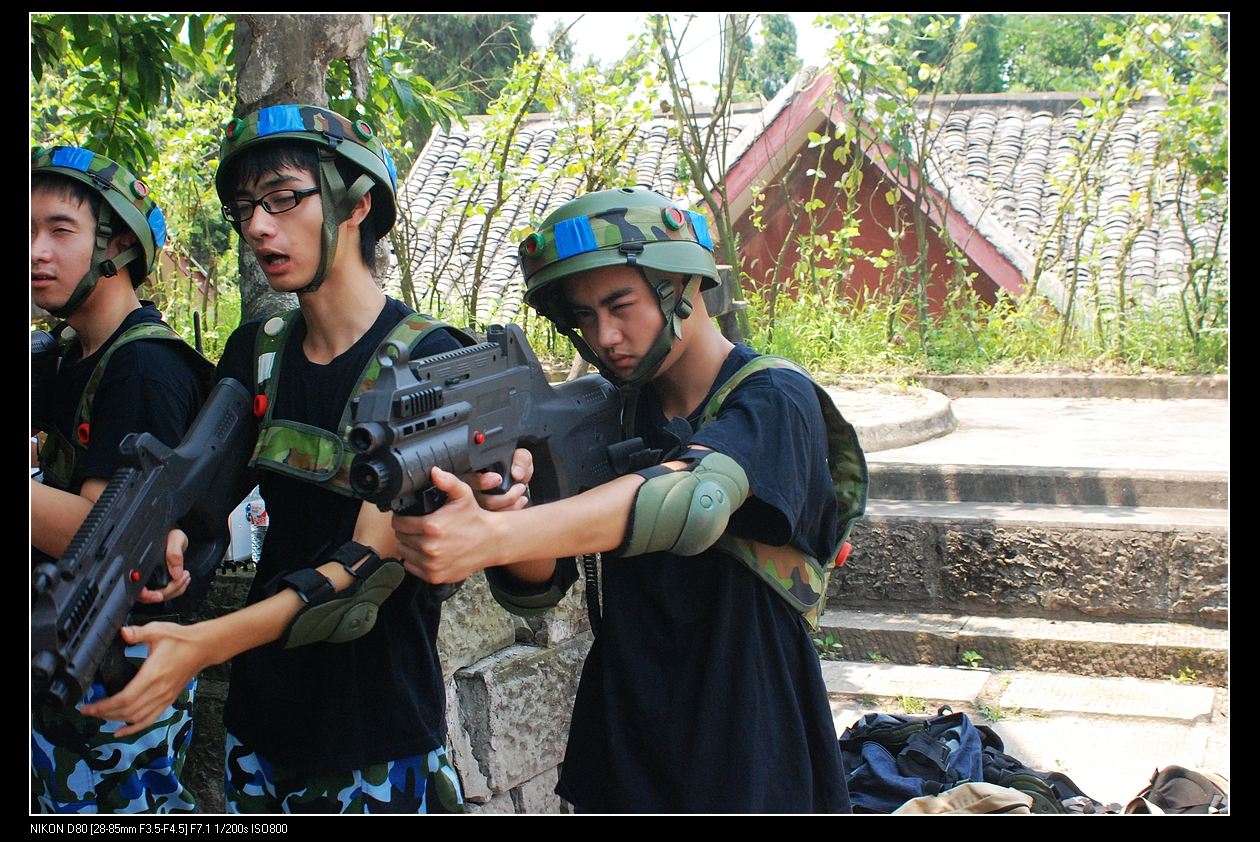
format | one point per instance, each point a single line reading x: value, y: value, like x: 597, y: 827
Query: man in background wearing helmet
x: 702, y: 691
x: 355, y: 725
x: 95, y: 235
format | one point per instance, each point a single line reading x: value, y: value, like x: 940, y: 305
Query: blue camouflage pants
x: 426, y: 783
x: 78, y: 765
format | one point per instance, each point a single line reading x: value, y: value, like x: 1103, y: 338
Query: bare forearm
x: 591, y: 522
x: 57, y: 515
x: 461, y: 538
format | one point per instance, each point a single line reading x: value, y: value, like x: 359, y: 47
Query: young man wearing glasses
x: 318, y: 719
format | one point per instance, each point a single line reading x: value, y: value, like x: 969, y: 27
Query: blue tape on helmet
x: 280, y: 118
x: 73, y: 158
x: 701, y: 227
x: 574, y: 236
x: 157, y: 224
x: 389, y: 165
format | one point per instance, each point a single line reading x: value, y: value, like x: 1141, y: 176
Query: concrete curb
x: 1150, y: 387
x: 1050, y: 486
x: 1115, y: 649
x: 930, y: 417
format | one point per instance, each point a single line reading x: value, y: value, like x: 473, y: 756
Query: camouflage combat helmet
x: 335, y: 135
x: 127, y: 199
x: 626, y: 226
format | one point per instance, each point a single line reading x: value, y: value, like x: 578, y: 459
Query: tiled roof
x: 1004, y: 161
x: 1000, y: 158
x: 449, y: 224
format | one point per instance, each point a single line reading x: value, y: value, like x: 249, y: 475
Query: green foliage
x: 995, y: 712
x: 911, y: 705
x: 1176, y: 57
x: 601, y: 110
x: 101, y: 78
x: 598, y: 112
x: 881, y: 65
x: 702, y: 145
x: 971, y: 658
x: 828, y: 647
x: 1185, y: 675
x: 401, y: 103
x: 469, y: 54
x: 919, y: 41
x: 773, y: 62
x: 978, y: 65
x: 199, y: 275
x: 824, y: 330
x: 1054, y: 52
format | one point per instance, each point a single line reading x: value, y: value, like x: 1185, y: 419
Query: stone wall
x: 1031, y: 570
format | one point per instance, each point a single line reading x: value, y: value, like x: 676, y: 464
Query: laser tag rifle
x: 468, y: 410
x: 80, y: 603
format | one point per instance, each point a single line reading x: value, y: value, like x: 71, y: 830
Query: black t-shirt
x: 703, y: 692
x: 149, y: 386
x: 332, y: 706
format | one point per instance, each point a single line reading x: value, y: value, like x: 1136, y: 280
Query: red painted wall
x: 760, y: 249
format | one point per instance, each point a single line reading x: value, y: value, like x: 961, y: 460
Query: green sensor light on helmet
x: 335, y: 136
x: 621, y: 227
x: 126, y: 198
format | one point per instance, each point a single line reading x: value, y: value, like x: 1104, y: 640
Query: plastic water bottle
x: 256, y: 512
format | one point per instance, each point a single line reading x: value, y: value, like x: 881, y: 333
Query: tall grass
x: 826, y: 332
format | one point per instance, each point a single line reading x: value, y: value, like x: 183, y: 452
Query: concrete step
x: 1031, y: 386
x: 1149, y: 650
x: 1107, y: 734
x: 1050, y: 486
x: 1025, y: 560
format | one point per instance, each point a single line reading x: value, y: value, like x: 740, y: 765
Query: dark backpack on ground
x: 1177, y: 790
x: 891, y: 759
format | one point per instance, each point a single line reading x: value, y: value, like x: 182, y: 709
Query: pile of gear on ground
x: 946, y: 764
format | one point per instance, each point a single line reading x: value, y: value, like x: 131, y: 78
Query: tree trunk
x: 284, y: 59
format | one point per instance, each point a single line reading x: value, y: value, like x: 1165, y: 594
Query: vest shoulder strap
x: 145, y: 330
x: 60, y: 456
x: 304, y: 451
x: 798, y: 577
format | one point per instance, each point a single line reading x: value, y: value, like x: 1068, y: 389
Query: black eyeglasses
x: 277, y: 201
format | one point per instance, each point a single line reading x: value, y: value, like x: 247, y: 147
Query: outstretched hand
x: 455, y: 541
x: 174, y: 658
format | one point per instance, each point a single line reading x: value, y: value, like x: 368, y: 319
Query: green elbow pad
x: 685, y: 512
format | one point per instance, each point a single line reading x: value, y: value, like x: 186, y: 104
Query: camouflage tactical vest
x: 304, y: 451
x: 61, y: 459
x: 799, y: 578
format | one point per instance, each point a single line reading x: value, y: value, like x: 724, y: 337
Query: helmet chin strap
x: 100, y: 265
x: 675, y: 308
x: 338, y: 205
